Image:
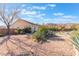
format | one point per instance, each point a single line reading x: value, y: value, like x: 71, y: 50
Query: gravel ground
x: 23, y: 45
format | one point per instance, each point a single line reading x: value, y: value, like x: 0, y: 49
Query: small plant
x: 42, y: 34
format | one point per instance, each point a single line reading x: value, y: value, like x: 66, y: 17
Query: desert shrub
x: 42, y: 34
x: 23, y: 31
x: 39, y: 35
x: 56, y: 28
x: 62, y: 28
x: 74, y: 28
x: 75, y: 39
x: 53, y: 28
x: 27, y: 30
x: 19, y: 31
x: 1, y: 35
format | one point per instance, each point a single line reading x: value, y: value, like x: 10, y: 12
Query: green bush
x: 62, y: 28
x: 23, y: 31
x: 42, y: 34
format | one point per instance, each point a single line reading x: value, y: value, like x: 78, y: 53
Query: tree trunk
x: 8, y: 30
x: 8, y: 37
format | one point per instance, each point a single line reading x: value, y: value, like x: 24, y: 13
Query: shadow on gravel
x: 56, y: 39
x: 17, y: 42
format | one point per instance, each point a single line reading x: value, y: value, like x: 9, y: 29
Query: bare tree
x: 8, y: 18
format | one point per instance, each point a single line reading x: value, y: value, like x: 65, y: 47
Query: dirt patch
x: 23, y: 45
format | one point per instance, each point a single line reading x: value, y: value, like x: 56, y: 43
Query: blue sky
x: 42, y: 13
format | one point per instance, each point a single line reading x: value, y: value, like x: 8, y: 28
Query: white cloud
x: 32, y: 14
x: 58, y: 14
x: 62, y: 15
x: 59, y: 20
x: 29, y: 13
x: 63, y: 20
x: 38, y: 16
x: 26, y: 12
x: 70, y: 16
x: 39, y: 7
x: 52, y: 5
x: 36, y: 7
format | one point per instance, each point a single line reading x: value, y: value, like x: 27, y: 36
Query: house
x: 20, y: 24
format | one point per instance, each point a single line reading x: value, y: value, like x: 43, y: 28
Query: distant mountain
x: 51, y: 24
x: 67, y: 25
